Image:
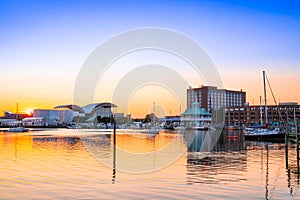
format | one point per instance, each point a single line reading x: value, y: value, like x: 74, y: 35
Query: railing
x: 196, y: 118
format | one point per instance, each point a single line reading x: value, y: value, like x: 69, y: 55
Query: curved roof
x: 196, y: 110
x: 91, y: 107
x: 71, y: 107
x: 88, y: 108
x: 106, y: 105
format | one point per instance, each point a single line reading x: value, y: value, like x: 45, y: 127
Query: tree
x: 104, y: 120
x: 149, y: 118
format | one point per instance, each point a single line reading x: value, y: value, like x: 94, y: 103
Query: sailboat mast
x: 260, y: 111
x: 17, y: 111
x: 265, y: 95
x: 154, y: 113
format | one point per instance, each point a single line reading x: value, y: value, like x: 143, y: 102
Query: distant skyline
x: 44, y: 44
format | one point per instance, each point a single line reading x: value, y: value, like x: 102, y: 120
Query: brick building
x: 252, y: 114
x: 211, y: 98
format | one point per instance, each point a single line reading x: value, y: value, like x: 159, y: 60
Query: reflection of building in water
x: 57, y: 143
x: 225, y: 162
x: 144, y: 143
x: 215, y: 167
x: 228, y: 141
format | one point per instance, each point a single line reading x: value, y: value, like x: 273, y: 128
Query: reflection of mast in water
x: 16, y: 149
x: 267, y: 173
x: 154, y: 138
x: 262, y: 161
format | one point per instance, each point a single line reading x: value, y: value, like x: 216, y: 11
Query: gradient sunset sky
x: 45, y: 43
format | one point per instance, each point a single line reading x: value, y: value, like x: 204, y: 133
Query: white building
x: 9, y: 122
x: 98, y: 109
x: 50, y: 116
x: 65, y: 116
x: 33, y: 121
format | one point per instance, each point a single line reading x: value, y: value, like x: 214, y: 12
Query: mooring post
x: 297, y: 142
x: 286, y: 147
x: 114, y: 153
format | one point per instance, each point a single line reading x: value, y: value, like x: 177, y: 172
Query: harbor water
x: 83, y: 164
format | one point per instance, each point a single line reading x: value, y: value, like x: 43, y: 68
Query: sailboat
x: 153, y: 128
x: 263, y: 132
x: 18, y: 128
x: 261, y: 125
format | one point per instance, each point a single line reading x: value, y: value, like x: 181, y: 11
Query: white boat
x: 18, y: 129
x: 264, y: 131
x: 74, y: 127
x: 179, y: 128
x: 199, y: 127
x: 264, y: 134
x: 152, y: 130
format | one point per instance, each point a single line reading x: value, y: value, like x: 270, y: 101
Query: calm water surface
x: 71, y: 164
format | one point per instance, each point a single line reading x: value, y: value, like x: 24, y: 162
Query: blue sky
x: 49, y: 40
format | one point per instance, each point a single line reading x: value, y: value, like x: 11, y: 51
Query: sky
x: 43, y: 45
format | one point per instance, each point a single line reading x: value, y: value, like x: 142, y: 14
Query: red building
x: 253, y: 114
x: 211, y: 98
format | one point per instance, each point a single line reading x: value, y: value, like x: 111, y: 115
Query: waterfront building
x: 121, y: 118
x: 211, y: 98
x: 50, y: 116
x: 195, y: 116
x: 252, y: 114
x: 33, y: 121
x: 66, y: 113
x: 8, y: 122
x: 17, y: 116
x: 87, y: 113
x: 98, y: 109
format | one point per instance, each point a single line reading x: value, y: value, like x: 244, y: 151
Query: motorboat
x: 152, y: 131
x: 198, y: 127
x: 74, y: 126
x: 18, y: 129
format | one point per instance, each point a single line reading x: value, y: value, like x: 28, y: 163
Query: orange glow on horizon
x: 153, y: 98
x: 284, y: 86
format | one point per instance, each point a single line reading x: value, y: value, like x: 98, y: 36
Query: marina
x: 66, y: 161
x: 151, y: 100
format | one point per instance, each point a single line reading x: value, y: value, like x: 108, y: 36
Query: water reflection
x: 234, y: 160
x: 64, y: 141
x: 225, y: 163
x: 59, y: 161
x: 228, y: 141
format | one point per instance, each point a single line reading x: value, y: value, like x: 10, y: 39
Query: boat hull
x: 204, y: 128
x: 270, y: 137
x: 18, y: 130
